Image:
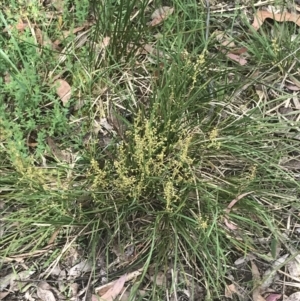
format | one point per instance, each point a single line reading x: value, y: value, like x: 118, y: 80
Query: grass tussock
x: 152, y: 147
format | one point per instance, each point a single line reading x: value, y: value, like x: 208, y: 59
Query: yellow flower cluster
x: 145, y: 161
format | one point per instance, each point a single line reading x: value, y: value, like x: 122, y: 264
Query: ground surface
x: 149, y: 151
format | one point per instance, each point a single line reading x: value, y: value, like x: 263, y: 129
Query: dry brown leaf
x: 262, y: 15
x: 295, y: 80
x: 103, y: 288
x: 53, y: 236
x: 237, y: 58
x: 74, y: 289
x: 125, y: 296
x: 256, y: 294
x: 58, y: 5
x: 228, y: 224
x: 12, y: 278
x: 7, y: 78
x: 20, y: 26
x: 105, y: 42
x: 58, y: 272
x: 80, y: 268
x: 3, y: 295
x: 42, y: 38
x: 255, y: 272
x: 234, y: 52
x: 257, y: 297
x: 66, y: 33
x: 293, y: 267
x: 149, y: 49
x: 47, y: 291
x: 273, y: 297
x: 270, y: 274
x: 238, y: 50
x: 292, y: 87
x: 160, y: 15
x: 294, y: 297
x: 113, y: 291
x: 224, y: 39
x: 63, y: 90
x: 61, y: 155
x: 230, y: 290
x: 44, y: 293
x: 160, y: 279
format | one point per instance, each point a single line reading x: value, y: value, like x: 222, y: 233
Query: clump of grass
x: 197, y: 140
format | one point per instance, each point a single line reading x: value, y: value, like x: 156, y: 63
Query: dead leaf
x: 244, y: 259
x: 45, y: 295
x: 262, y: 15
x: 224, y: 39
x: 125, y: 296
x: 230, y: 290
x: 105, y: 42
x: 58, y: 5
x: 149, y: 49
x: 63, y: 90
x: 160, y: 279
x: 3, y: 295
x: 53, y: 236
x: 117, y: 123
x: 113, y: 291
x: 104, y: 288
x: 228, y: 224
x: 294, y: 297
x: 295, y: 80
x: 61, y: 155
x: 58, y: 272
x: 255, y: 272
x: 160, y: 15
x: 42, y: 38
x: 238, y: 50
x: 293, y: 266
x: 11, y: 278
x: 46, y: 292
x: 273, y: 297
x: 67, y: 33
x: 82, y: 267
x: 74, y: 289
x: 270, y: 274
x: 292, y: 87
x: 7, y: 78
x: 20, y: 26
x: 256, y: 293
x: 237, y: 58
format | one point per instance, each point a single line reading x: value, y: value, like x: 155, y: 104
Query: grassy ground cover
x: 163, y: 143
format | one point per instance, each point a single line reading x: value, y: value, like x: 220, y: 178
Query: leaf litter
x: 44, y: 292
x: 113, y: 291
x: 12, y: 279
x: 229, y: 48
x: 293, y: 267
x: 261, y: 15
x: 63, y: 90
x: 160, y: 14
x: 80, y: 268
